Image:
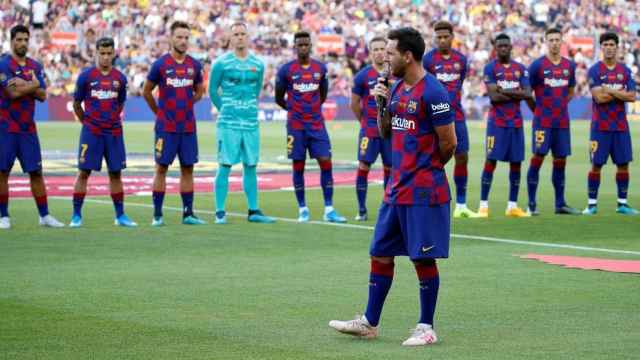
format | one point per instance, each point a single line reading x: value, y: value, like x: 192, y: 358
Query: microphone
x: 381, y: 102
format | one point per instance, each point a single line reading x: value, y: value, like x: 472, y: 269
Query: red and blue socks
x: 380, y: 280
x: 429, y: 284
x: 361, y: 189
x: 78, y: 201
x: 514, y: 181
x: 298, y: 182
x: 558, y: 181
x: 622, y: 180
x: 533, y: 176
x: 593, y: 184
x: 42, y: 204
x: 4, y: 205
x: 118, y: 203
x: 326, y: 181
x: 460, y: 178
x: 187, y: 203
x: 158, y: 199
x: 487, y: 178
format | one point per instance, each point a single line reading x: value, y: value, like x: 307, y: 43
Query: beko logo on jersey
x: 306, y: 87
x: 104, y: 94
x: 398, y: 123
x: 556, y: 82
x: 178, y: 83
x: 440, y: 108
x: 446, y: 77
x: 508, y: 84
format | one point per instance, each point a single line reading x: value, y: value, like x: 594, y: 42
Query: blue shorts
x: 462, y: 134
x: 370, y: 148
x: 316, y: 141
x: 505, y: 143
x: 417, y: 231
x: 184, y: 145
x: 24, y: 146
x: 554, y: 139
x: 614, y: 143
x: 93, y: 148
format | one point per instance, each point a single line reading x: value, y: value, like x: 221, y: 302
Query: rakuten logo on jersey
x: 614, y: 86
x: 103, y: 94
x: 179, y: 83
x: 446, y: 77
x: 556, y: 82
x: 306, y: 87
x: 440, y: 108
x: 508, y: 84
x: 398, y: 123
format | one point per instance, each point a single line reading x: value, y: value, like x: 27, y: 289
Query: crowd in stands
x: 140, y: 28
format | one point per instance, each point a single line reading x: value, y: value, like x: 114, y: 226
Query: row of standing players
x: 414, y: 216
x: 552, y: 78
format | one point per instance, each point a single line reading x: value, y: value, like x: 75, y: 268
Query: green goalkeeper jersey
x: 234, y: 88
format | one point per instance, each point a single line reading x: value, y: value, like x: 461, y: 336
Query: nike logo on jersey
x: 438, y: 67
x: 169, y: 71
x: 426, y: 249
x: 94, y: 83
x: 547, y: 71
x: 295, y: 77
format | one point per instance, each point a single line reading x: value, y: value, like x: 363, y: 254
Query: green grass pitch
x: 246, y: 291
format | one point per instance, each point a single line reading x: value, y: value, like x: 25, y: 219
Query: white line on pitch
x: 365, y: 227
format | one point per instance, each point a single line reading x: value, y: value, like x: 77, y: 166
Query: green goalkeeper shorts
x: 235, y: 146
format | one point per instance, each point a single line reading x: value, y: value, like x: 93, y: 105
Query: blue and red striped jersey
x: 363, y: 83
x: 103, y: 97
x: 611, y: 116
x: 177, y: 82
x: 551, y: 83
x: 451, y: 72
x: 508, y: 77
x: 19, y: 113
x: 417, y: 172
x: 302, y: 84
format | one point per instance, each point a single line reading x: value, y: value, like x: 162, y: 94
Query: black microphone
x: 381, y: 102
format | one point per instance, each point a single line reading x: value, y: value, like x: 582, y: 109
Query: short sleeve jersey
x: 611, y: 116
x: 417, y: 172
x: 302, y: 84
x: 451, y: 72
x: 103, y: 97
x: 176, y: 82
x: 19, y: 113
x: 508, y: 77
x: 551, y: 83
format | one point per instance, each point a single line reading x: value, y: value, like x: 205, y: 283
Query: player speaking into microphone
x: 414, y: 219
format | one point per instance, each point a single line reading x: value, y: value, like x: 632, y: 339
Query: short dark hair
x: 443, y: 25
x: 552, y: 30
x: 609, y: 35
x: 179, y: 25
x: 502, y: 36
x: 301, y: 35
x: 377, y: 39
x: 409, y: 39
x: 19, y: 29
x: 105, y: 42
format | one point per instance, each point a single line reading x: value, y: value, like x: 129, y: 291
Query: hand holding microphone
x: 381, y: 92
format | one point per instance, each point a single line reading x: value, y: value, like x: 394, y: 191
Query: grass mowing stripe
x: 364, y: 227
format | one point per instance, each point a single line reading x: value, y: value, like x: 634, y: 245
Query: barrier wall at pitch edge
x: 335, y: 108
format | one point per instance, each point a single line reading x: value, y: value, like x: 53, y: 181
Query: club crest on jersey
x: 457, y: 66
x: 190, y: 71
x: 316, y: 76
x: 412, y: 107
x: 116, y: 84
x: 620, y: 76
x: 565, y: 72
x: 517, y: 73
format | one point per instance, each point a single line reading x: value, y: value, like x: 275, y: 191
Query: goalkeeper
x: 234, y: 87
